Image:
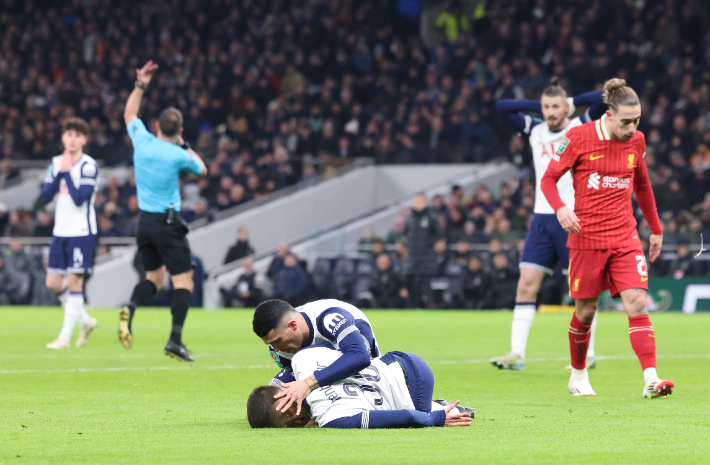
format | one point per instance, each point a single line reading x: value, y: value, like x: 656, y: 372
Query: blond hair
x: 617, y: 93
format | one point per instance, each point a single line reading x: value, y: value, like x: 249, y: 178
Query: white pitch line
x: 248, y: 367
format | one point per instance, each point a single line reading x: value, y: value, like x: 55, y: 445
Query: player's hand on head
x: 655, y: 243
x: 453, y: 418
x: 296, y: 391
x: 145, y: 74
x: 568, y: 220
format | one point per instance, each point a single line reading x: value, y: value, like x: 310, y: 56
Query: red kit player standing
x: 607, y: 162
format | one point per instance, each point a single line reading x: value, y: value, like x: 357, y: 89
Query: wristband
x: 140, y: 85
x: 186, y: 145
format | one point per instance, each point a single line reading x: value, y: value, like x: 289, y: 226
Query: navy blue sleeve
x: 595, y: 101
x: 282, y: 378
x: 390, y: 419
x: 80, y: 195
x: 512, y: 109
x: 49, y: 189
x: 354, y: 359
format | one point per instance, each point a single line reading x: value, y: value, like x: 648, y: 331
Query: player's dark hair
x: 170, y: 122
x: 260, y: 407
x: 617, y: 93
x: 554, y: 89
x: 269, y: 314
x: 76, y: 124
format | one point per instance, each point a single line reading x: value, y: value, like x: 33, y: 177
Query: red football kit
x: 606, y: 253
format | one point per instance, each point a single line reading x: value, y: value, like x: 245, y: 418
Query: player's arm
x: 143, y: 77
x: 562, y: 161
x: 647, y: 203
x: 512, y: 110
x: 373, y: 419
x: 85, y: 190
x: 594, y: 100
x: 51, y: 186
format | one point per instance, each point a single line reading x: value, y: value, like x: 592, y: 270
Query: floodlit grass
x: 102, y: 404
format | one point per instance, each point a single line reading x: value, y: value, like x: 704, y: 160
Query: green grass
x: 102, y: 404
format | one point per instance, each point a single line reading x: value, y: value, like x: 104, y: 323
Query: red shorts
x: 592, y: 272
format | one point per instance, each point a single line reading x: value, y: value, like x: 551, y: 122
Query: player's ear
x: 292, y: 324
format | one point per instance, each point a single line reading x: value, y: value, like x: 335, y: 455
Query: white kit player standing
x: 73, y: 179
x: 546, y: 241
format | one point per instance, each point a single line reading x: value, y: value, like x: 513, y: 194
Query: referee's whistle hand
x: 568, y: 220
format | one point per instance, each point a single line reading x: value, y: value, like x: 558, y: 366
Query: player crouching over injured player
x: 395, y: 391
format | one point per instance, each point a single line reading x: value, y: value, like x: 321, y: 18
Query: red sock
x: 578, y: 342
x: 643, y: 340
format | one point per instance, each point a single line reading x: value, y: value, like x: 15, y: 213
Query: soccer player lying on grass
x: 287, y: 330
x: 395, y: 391
x: 607, y: 160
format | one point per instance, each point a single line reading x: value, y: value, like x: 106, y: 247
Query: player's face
x: 73, y: 140
x: 289, y: 419
x: 554, y: 110
x: 284, y: 338
x: 624, y: 121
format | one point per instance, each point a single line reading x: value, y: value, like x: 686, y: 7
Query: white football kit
x: 71, y: 220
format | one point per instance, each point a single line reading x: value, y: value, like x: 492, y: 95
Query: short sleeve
x: 566, y: 153
x: 335, y: 323
x: 137, y: 132
x: 190, y: 163
x: 89, y: 174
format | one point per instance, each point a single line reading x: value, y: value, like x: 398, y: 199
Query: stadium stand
x: 278, y: 92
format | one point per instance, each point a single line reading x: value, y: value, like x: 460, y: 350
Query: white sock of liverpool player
x: 523, y: 316
x: 178, y: 307
x: 592, y: 335
x: 71, y: 315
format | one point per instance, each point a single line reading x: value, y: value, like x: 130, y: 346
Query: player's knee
x: 54, y: 282
x: 636, y: 305
x: 586, y: 310
x: 527, y: 290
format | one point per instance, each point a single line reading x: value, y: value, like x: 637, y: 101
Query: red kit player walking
x: 607, y: 162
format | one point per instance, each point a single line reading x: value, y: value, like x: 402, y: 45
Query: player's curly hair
x: 617, y: 93
x: 269, y: 314
x: 555, y: 89
x: 76, y: 124
x: 260, y: 406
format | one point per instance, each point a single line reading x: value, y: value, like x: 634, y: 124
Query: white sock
x: 523, y: 316
x: 71, y: 315
x: 578, y: 374
x: 76, y: 301
x: 592, y: 334
x: 435, y: 407
x: 650, y: 375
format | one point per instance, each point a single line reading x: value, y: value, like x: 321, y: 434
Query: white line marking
x: 701, y: 246
x: 255, y: 367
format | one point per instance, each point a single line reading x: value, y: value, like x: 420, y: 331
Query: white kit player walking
x: 72, y: 179
x: 546, y: 241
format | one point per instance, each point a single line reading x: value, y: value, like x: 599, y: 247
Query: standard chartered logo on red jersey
x: 608, y: 182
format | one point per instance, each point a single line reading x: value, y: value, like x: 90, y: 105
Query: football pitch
x: 102, y: 404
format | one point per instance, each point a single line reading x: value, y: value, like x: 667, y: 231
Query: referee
x: 161, y: 239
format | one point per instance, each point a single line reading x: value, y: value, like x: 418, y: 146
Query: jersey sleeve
x: 189, y: 163
x: 372, y: 419
x: 512, y: 110
x: 562, y: 161
x: 335, y: 324
x: 644, y: 192
x: 89, y: 174
x: 137, y: 132
x: 283, y: 377
x: 51, y: 185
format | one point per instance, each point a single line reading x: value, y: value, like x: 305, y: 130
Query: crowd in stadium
x: 275, y: 93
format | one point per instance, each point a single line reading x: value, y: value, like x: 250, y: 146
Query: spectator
x: 14, y: 285
x: 476, y: 283
x: 504, y: 281
x: 41, y: 295
x: 386, y: 286
x: 241, y: 248
x: 421, y: 231
x: 197, y: 213
x: 441, y: 257
x: 44, y: 226
x: 278, y: 262
x: 291, y: 282
x: 684, y: 265
x: 461, y: 253
x: 17, y: 258
x: 377, y: 247
x: 246, y: 293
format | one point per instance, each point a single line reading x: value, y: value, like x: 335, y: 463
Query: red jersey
x: 604, y: 172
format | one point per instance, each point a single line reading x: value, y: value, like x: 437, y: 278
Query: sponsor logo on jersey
x: 593, y: 182
x: 631, y: 161
x: 333, y: 322
x: 611, y: 182
x: 563, y: 146
x: 576, y: 285
x: 592, y: 157
x: 556, y: 157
